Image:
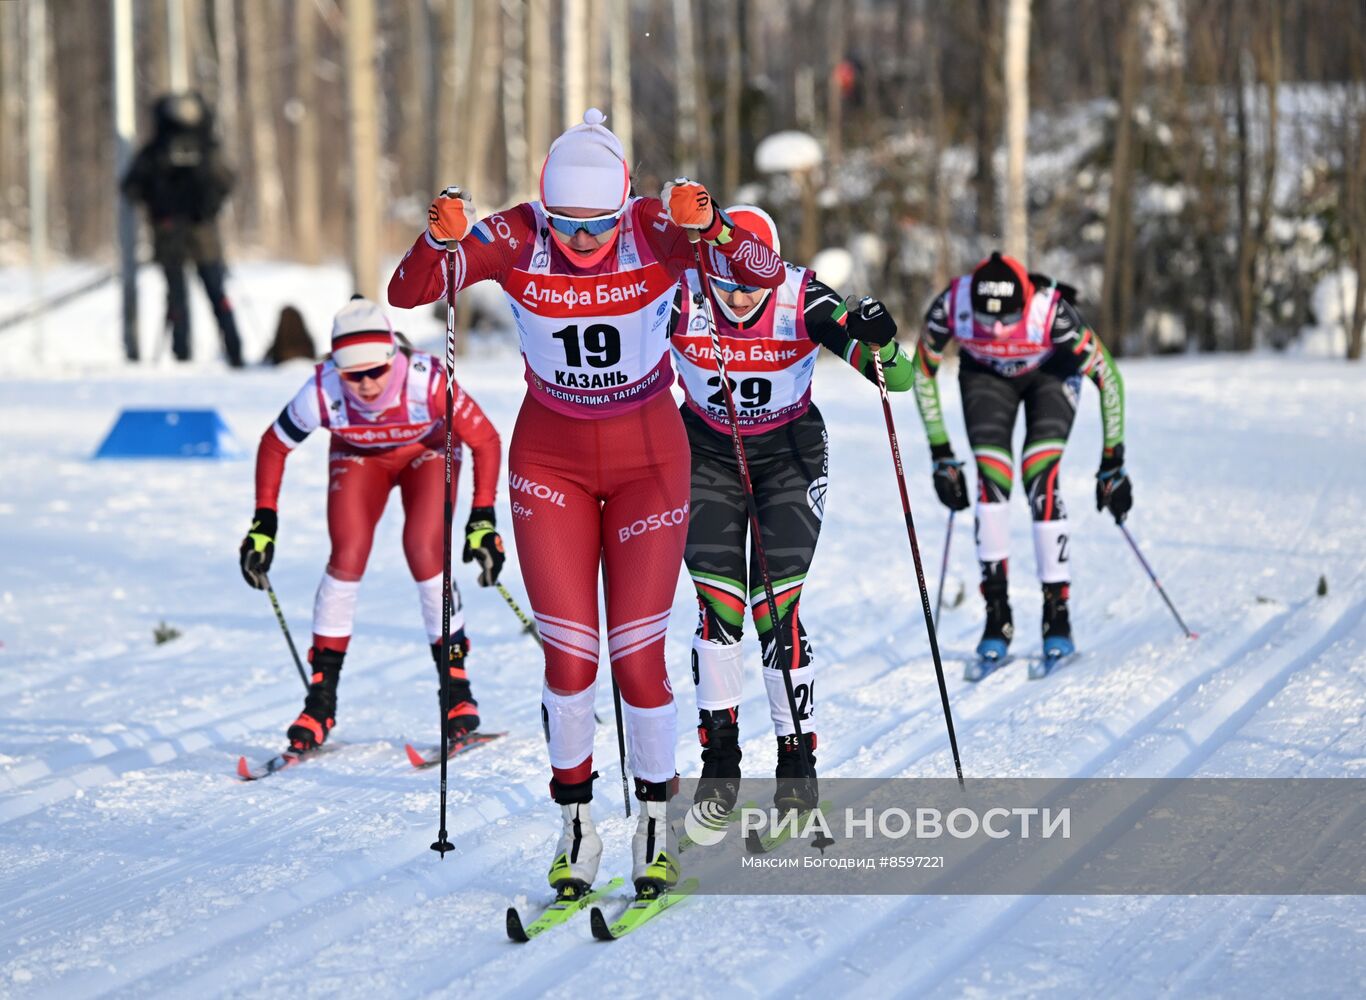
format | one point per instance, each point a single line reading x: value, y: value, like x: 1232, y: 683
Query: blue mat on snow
x: 170, y: 434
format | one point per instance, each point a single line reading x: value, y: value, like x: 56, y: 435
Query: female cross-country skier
x: 598, y: 464
x: 385, y: 408
x: 1021, y: 340
x: 770, y: 339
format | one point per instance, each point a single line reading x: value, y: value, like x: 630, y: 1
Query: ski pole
x: 621, y: 744
x: 780, y: 654
x: 943, y: 570
x: 528, y: 626
x: 1156, y: 583
x: 442, y: 843
x: 280, y: 617
x: 915, y: 556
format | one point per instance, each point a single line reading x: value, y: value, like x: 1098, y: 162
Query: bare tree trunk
x: 519, y: 179
x: 943, y: 262
x: 307, y: 210
x: 13, y: 184
x: 229, y: 126
x: 416, y: 171
x: 1113, y: 318
x: 688, y: 152
x: 575, y: 61
x: 838, y: 36
x: 482, y: 94
x: 986, y: 118
x: 265, y: 156
x: 619, y: 26
x: 735, y: 91
x: 1017, y: 128
x: 540, y: 112
x: 363, y: 119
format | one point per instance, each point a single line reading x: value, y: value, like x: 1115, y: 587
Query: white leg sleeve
x: 650, y: 737
x: 718, y: 672
x: 334, y: 606
x: 803, y: 690
x: 429, y: 593
x: 1051, y: 542
x: 993, y: 531
x: 569, y: 724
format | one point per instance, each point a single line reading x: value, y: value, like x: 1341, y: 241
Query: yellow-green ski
x: 558, y: 912
x: 640, y: 910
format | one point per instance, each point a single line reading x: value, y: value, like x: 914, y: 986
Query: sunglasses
x: 595, y: 226
x: 377, y: 372
x: 722, y: 285
x: 989, y: 320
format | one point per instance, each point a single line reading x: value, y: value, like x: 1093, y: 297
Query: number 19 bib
x: 595, y: 345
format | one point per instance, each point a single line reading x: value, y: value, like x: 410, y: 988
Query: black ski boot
x: 1000, y: 628
x: 463, y: 714
x: 719, y: 733
x: 1057, y: 627
x: 310, y: 729
x: 796, y: 773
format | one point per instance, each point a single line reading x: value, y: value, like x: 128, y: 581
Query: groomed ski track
x: 132, y: 862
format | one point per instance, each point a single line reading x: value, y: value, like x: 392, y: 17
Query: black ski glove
x: 869, y: 321
x: 1113, y: 489
x: 949, y: 481
x: 258, y: 548
x: 484, y: 544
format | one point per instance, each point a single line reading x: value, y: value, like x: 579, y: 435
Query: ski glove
x: 258, y: 548
x: 870, y: 322
x: 1113, y: 489
x: 448, y: 218
x: 949, y: 481
x: 690, y: 206
x: 482, y: 543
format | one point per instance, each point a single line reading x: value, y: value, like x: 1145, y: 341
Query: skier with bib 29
x: 598, y: 464
x: 770, y: 339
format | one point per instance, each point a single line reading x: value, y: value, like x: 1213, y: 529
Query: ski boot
x: 1000, y: 627
x: 1057, y: 627
x: 795, y: 774
x: 654, y: 847
x: 309, y: 731
x: 463, y: 715
x: 719, y: 733
x: 579, y: 850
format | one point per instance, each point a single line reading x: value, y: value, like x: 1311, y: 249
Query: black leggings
x: 213, y: 274
x: 990, y: 403
x: 788, y: 468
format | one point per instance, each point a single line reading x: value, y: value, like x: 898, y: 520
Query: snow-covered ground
x: 132, y: 862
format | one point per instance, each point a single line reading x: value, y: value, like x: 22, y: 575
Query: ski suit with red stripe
x: 400, y: 441
x: 599, y: 464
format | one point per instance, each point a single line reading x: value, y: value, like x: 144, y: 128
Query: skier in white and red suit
x: 385, y: 409
x: 598, y: 466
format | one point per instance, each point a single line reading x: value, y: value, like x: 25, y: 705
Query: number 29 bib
x: 595, y: 345
x: 769, y: 365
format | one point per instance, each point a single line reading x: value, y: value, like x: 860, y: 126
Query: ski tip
x: 599, y: 924
x: 516, y: 932
x: 243, y: 769
x: 414, y: 757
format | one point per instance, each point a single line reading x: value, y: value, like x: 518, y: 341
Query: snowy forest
x: 1197, y: 170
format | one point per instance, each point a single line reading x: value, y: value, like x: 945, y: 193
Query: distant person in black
x: 182, y: 180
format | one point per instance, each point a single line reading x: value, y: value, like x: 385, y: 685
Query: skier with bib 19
x: 384, y: 407
x: 598, y: 464
x: 1021, y: 340
x: 770, y: 339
